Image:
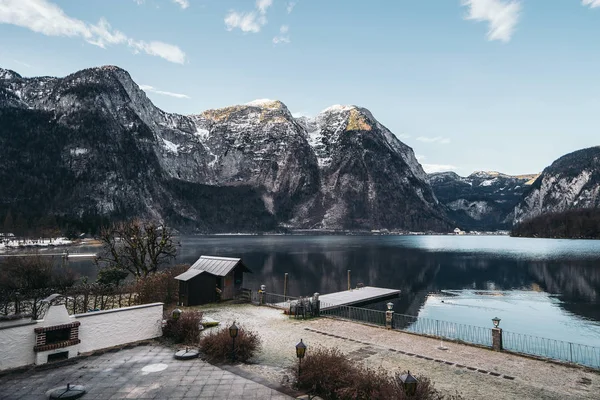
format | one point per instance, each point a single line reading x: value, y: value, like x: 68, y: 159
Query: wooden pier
x: 367, y: 294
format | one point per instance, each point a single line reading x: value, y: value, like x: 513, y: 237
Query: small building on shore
x: 211, y: 279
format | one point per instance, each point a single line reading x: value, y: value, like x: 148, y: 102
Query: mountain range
x: 91, y: 147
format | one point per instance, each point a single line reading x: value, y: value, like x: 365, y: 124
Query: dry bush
x: 330, y: 375
x: 185, y: 329
x: 160, y: 287
x: 217, y: 345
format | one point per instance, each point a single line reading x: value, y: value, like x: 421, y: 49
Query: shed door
x: 228, y: 290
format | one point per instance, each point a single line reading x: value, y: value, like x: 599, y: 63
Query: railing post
x: 316, y: 305
x: 497, y: 339
x: 571, y: 350
x: 285, y: 286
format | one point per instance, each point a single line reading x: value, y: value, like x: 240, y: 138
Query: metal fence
x: 364, y: 315
x: 443, y: 329
x: 273, y: 300
x: 519, y: 343
x: 553, y: 349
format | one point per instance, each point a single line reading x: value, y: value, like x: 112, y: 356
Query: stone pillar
x: 389, y: 316
x: 497, y: 339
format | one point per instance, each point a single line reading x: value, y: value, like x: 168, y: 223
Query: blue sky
x: 469, y: 84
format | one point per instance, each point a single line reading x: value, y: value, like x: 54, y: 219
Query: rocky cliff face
x: 571, y: 182
x: 93, y: 145
x: 482, y: 200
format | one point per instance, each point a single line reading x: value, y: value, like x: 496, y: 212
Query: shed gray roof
x: 219, y: 266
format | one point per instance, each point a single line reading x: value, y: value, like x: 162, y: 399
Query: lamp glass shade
x: 410, y: 383
x: 176, y: 313
x: 233, y: 330
x: 496, y: 321
x: 263, y: 287
x: 390, y: 305
x: 300, y: 349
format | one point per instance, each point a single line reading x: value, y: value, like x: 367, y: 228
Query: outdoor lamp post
x: 176, y: 314
x: 496, y: 321
x: 233, y: 332
x: 300, y: 351
x: 409, y: 383
x: 497, y: 335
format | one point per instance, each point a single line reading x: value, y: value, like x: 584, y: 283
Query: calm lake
x: 543, y: 287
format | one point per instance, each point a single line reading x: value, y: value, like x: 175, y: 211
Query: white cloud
x: 182, y: 3
x: 23, y: 63
x: 252, y: 21
x: 152, y: 89
x: 591, y: 3
x: 437, y: 139
x: 262, y: 5
x: 431, y: 168
x: 403, y: 136
x: 420, y: 157
x: 247, y: 22
x: 290, y: 6
x: 283, y: 37
x: 164, y: 50
x: 501, y: 15
x: 42, y: 16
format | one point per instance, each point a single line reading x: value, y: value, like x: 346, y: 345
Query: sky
x: 503, y: 85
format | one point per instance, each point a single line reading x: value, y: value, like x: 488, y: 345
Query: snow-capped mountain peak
x: 8, y: 74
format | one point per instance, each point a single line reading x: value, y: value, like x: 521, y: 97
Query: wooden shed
x: 211, y: 279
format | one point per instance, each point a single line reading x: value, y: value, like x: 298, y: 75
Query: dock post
x: 285, y: 284
x: 349, y: 280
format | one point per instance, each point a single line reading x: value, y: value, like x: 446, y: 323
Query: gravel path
x: 533, y: 379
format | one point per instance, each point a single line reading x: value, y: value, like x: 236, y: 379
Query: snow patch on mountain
x: 170, y: 146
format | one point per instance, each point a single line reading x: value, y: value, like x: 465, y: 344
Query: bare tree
x: 136, y: 246
x: 25, y: 281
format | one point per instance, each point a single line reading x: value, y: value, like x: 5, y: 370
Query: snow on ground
x: 12, y: 243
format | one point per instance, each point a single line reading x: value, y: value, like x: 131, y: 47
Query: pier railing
x: 273, y: 300
x: 515, y: 342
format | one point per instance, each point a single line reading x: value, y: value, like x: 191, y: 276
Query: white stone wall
x: 98, y: 330
x: 102, y: 329
x: 16, y: 345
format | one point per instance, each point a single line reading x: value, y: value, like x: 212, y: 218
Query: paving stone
x: 120, y: 376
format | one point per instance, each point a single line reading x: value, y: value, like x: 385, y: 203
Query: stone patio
x: 145, y: 372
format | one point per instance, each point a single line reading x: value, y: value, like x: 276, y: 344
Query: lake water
x: 543, y: 287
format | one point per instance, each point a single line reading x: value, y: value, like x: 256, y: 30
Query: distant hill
x: 572, y: 182
x: 571, y: 224
x: 483, y: 200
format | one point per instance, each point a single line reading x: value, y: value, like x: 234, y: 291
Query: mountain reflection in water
x: 493, y: 272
